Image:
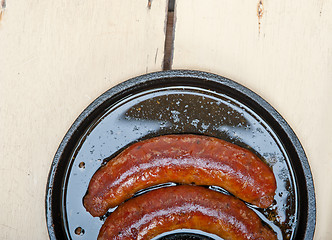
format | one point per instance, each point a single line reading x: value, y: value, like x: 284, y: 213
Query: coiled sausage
x: 184, y: 159
x: 191, y: 207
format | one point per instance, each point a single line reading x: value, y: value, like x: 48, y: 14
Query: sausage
x: 183, y: 159
x: 184, y: 206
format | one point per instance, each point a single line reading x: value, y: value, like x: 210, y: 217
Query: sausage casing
x: 184, y: 159
x: 184, y: 206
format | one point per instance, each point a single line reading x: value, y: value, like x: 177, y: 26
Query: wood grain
x: 282, y: 50
x: 56, y: 57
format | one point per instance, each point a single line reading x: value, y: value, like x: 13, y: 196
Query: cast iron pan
x: 178, y: 102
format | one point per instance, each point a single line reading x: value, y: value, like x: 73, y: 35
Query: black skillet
x: 179, y: 102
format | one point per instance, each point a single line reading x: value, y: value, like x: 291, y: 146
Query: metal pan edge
x: 54, y: 184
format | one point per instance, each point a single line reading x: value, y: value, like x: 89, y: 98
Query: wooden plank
x: 282, y: 50
x: 55, y: 58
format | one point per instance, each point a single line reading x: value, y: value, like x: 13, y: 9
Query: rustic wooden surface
x: 58, y: 56
x: 282, y: 50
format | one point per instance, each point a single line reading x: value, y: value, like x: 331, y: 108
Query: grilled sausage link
x: 184, y: 159
x: 191, y: 207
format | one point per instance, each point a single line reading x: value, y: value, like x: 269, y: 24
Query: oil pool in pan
x: 176, y: 110
x: 175, y: 102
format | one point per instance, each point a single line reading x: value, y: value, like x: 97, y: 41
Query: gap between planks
x: 169, y: 38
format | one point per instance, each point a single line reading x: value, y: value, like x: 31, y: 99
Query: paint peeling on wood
x: 321, y: 3
x: 2, y: 8
x: 149, y: 4
x: 155, y: 57
x: 147, y: 63
x: 260, y: 12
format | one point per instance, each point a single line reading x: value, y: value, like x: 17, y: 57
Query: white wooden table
x: 56, y: 57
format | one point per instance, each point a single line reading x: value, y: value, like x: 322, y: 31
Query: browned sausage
x: 191, y: 207
x: 184, y: 159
